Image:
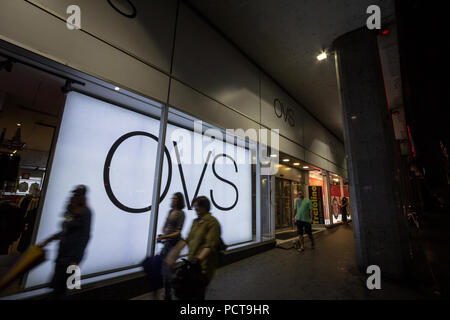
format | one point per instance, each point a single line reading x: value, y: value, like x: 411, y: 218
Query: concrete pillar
x: 379, y: 224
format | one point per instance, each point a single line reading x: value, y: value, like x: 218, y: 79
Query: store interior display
x: 338, y: 190
x: 29, y: 109
x: 294, y: 176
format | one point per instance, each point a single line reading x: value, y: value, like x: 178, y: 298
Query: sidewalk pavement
x: 327, y: 272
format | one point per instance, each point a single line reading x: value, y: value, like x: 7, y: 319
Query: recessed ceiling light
x: 286, y: 160
x: 305, y: 167
x: 296, y: 163
x: 117, y: 88
x: 273, y: 156
x: 322, y: 56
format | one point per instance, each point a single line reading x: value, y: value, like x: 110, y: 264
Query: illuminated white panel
x: 89, y: 128
x: 95, y: 135
x: 236, y: 223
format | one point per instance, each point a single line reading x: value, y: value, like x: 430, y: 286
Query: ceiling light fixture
x: 117, y: 88
x: 296, y: 163
x: 322, y: 56
x: 305, y: 167
x: 286, y: 160
x: 273, y: 156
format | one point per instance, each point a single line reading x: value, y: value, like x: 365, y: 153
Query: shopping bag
x: 32, y: 257
x: 187, y: 278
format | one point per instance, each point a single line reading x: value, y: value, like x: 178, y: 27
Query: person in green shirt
x: 303, y: 220
x: 203, y: 242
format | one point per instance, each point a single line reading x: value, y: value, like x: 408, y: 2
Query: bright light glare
x: 322, y: 56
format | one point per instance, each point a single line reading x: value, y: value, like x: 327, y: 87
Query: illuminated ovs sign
x: 120, y: 205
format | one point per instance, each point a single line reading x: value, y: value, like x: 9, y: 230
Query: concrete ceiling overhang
x: 284, y: 38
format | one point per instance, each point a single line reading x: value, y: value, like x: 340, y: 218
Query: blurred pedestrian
x: 73, y: 240
x: 204, y: 244
x: 170, y: 237
x: 344, y: 210
x: 303, y: 220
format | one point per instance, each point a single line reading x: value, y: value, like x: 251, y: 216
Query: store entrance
x: 287, y: 192
x: 283, y: 203
x: 291, y: 178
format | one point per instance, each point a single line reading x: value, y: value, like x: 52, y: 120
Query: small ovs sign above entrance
x: 284, y: 112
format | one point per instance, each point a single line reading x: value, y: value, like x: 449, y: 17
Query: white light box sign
x: 89, y: 130
x: 113, y: 152
x: 218, y: 175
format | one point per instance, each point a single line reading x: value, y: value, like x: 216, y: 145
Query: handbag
x: 31, y: 258
x: 186, y: 279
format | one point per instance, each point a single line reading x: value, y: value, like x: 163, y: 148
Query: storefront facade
x: 132, y: 100
x: 325, y: 189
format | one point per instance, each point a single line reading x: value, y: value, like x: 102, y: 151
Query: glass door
x: 283, y: 203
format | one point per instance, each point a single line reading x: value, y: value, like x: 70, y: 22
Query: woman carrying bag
x: 204, y: 243
x: 170, y: 237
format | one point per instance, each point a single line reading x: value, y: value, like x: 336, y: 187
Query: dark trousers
x: 344, y: 216
x: 59, y: 282
x: 200, y: 291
